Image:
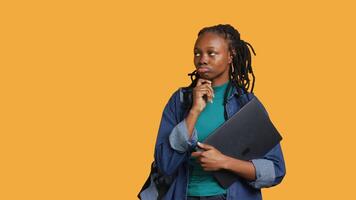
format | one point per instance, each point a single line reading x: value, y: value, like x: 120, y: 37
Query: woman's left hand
x: 210, y: 159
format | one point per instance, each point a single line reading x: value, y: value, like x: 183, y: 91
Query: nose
x: 203, y: 60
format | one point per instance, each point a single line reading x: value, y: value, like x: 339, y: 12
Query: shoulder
x: 177, y: 98
x: 175, y: 106
x: 244, y: 97
x: 179, y: 95
x: 251, y: 96
x: 248, y: 96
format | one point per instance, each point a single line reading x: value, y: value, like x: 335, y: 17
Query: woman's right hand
x: 202, y: 88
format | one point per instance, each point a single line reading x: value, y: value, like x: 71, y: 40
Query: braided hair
x: 240, y: 67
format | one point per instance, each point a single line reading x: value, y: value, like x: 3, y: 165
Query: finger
x: 211, y: 91
x: 202, y: 81
x: 206, y: 91
x: 205, y: 146
x: 196, y: 154
x: 207, y: 86
x: 205, y: 81
x: 206, y: 94
x: 207, y: 169
x: 202, y: 92
x: 203, y: 160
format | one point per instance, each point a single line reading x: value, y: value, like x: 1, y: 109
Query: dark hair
x: 241, y: 63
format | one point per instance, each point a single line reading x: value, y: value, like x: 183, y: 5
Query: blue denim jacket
x: 173, y: 148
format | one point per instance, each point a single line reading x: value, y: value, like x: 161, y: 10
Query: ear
x: 232, y: 54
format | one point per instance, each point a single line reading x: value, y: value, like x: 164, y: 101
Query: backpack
x: 156, y: 185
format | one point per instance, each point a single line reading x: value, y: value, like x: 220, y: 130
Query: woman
x: 220, y: 87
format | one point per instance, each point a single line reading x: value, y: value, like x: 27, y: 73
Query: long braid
x: 241, y: 62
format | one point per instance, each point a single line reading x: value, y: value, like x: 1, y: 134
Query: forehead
x: 210, y: 40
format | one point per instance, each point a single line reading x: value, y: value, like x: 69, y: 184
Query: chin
x: 205, y: 76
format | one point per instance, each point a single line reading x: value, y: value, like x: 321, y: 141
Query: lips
x: 203, y: 69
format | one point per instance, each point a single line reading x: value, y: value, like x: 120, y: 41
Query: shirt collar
x: 234, y: 92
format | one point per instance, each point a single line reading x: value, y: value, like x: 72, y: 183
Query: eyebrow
x: 209, y: 47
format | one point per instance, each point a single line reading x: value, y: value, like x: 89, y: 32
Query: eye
x: 212, y: 53
x: 196, y: 54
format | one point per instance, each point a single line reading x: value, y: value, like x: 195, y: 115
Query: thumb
x: 205, y: 146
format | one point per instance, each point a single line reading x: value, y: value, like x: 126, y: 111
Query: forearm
x: 190, y: 120
x: 184, y: 135
x: 244, y: 169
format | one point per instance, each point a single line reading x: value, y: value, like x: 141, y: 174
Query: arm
x: 270, y: 170
x: 173, y: 141
x: 212, y: 159
x: 176, y: 139
x: 260, y: 173
x: 190, y: 120
x: 244, y: 169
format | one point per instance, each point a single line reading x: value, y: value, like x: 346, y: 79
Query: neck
x: 221, y: 79
x: 219, y: 82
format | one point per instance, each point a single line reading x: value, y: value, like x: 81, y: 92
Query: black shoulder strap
x: 148, y: 181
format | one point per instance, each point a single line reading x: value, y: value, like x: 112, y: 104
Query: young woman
x: 221, y: 85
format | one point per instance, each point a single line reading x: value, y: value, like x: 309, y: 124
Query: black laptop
x: 248, y: 134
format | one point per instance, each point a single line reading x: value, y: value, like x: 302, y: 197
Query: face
x: 212, y: 58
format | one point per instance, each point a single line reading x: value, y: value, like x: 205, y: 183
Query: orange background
x: 83, y: 85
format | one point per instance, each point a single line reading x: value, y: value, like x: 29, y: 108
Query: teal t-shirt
x: 203, y: 183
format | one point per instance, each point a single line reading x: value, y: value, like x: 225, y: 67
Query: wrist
x: 194, y: 111
x: 226, y: 163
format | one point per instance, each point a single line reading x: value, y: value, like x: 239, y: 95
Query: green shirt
x: 202, y: 183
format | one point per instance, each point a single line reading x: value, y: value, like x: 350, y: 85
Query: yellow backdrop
x: 83, y: 85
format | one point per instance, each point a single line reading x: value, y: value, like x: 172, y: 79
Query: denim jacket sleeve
x: 172, y: 145
x: 179, y: 140
x: 270, y: 170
